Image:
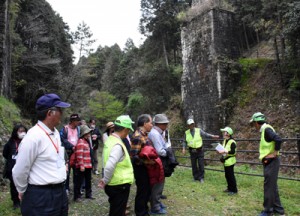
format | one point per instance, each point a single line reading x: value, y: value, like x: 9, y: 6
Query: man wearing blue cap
x: 40, y: 170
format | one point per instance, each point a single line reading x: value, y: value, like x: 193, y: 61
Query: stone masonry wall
x: 207, y: 43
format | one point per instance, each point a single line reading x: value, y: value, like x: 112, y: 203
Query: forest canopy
x: 37, y: 57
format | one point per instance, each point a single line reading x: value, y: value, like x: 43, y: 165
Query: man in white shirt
x: 40, y: 170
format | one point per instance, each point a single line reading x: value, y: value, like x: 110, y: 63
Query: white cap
x: 190, y: 121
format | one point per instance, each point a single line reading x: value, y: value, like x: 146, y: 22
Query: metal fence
x: 289, y: 154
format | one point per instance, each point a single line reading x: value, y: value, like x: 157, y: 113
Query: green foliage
x: 111, y: 67
x: 176, y: 71
x: 251, y: 64
x: 246, y: 93
x: 105, y: 107
x: 41, y: 52
x: 159, y: 22
x: 9, y: 115
x: 135, y: 105
x: 82, y: 37
x: 177, y: 125
x: 276, y: 20
x: 181, y: 16
x: 122, y: 82
x: 295, y: 84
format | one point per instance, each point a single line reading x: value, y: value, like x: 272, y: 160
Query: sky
x: 110, y: 21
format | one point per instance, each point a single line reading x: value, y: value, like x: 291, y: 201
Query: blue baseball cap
x: 50, y: 100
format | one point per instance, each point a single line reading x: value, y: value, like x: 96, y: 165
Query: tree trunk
x: 282, y: 41
x: 165, y: 52
x: 257, y: 41
x: 246, y: 36
x: 5, y: 55
x: 278, y: 60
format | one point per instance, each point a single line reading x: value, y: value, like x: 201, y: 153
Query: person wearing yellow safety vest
x: 229, y: 160
x: 118, y: 171
x: 270, y: 144
x: 193, y: 139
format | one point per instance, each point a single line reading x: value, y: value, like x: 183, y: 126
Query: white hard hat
x: 190, y: 121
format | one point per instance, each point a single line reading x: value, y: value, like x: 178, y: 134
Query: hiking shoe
x: 78, y: 200
x: 230, y: 193
x: 96, y: 172
x: 16, y: 206
x: 82, y: 191
x: 201, y: 181
x: 160, y: 211
x: 263, y: 213
x: 162, y: 206
x: 163, y: 196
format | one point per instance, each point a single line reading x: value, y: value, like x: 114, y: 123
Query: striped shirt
x: 83, y: 154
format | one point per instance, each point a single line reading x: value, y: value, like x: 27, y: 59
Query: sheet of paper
x: 219, y: 148
x: 214, y: 145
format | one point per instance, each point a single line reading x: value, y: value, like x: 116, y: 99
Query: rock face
x: 208, y: 44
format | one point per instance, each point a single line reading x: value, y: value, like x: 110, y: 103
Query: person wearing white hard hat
x: 229, y: 160
x: 193, y: 139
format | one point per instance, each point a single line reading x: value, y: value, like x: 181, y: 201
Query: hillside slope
x: 262, y: 91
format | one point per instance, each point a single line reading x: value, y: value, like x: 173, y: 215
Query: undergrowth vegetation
x: 9, y: 114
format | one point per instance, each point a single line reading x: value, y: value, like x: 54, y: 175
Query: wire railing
x: 247, y: 154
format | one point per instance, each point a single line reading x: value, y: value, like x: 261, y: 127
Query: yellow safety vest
x: 265, y: 147
x: 123, y: 172
x: 232, y: 160
x: 193, y: 142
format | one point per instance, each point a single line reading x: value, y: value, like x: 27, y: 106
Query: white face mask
x: 93, y: 126
x: 21, y: 135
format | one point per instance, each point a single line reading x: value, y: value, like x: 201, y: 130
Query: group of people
x: 146, y: 160
x: 270, y: 145
x: 81, y: 142
x: 39, y: 161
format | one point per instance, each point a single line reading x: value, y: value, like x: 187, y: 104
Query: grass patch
x: 188, y: 197
x: 9, y: 114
